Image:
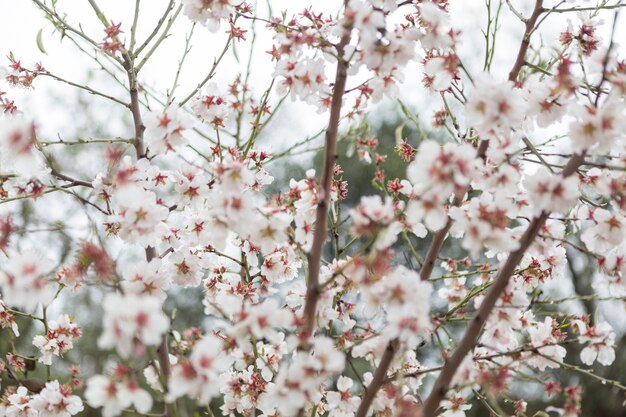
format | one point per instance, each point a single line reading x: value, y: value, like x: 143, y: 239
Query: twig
x: 206, y: 79
x: 158, y: 42
x: 584, y: 9
x: 84, y: 87
x: 168, y: 9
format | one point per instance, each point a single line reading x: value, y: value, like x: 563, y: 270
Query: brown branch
x: 84, y: 88
x: 379, y: 378
x: 438, y: 239
x: 471, y: 334
x: 135, y: 109
x: 440, y: 236
x: 69, y: 179
x: 140, y: 150
x: 330, y: 155
x: 521, y: 53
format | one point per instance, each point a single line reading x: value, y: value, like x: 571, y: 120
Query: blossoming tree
x: 312, y: 306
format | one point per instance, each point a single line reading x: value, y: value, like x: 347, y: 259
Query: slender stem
x: 80, y: 141
x: 158, y: 42
x: 172, y: 90
x: 133, y: 28
x: 168, y: 9
x: 584, y: 9
x: 209, y: 75
x: 84, y: 87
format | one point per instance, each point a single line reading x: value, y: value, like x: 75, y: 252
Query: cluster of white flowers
x: 551, y: 192
x: 375, y: 217
x: 305, y: 79
x: 484, y: 224
x: 211, y: 106
x: 546, y: 337
x: 140, y: 216
x: 599, y: 129
x: 115, y: 394
x: 293, y: 329
x: 199, y: 377
x: 60, y: 337
x: 7, y: 319
x: 23, y: 280
x: 304, y: 198
x: 164, y: 131
x: 406, y: 300
x: 600, y: 341
x: 495, y: 108
x: 435, y: 174
x: 209, y: 13
x: 298, y: 383
x: 132, y: 322
x: 54, y: 400
x: 17, y: 146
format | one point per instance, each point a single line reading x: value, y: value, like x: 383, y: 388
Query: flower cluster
x: 474, y: 257
x: 211, y: 13
x: 60, y: 337
x: 131, y: 323
x: 53, y: 400
x: 164, y: 132
x: 435, y: 174
x: 23, y: 280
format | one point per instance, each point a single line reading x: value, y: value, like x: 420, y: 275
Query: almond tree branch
x: 378, y: 379
x: 501, y: 281
x: 161, y: 38
x: 164, y: 361
x: 140, y: 150
x: 521, y: 53
x: 62, y: 25
x: 439, y: 237
x: 211, y: 73
x: 84, y: 87
x: 330, y: 155
x: 583, y: 9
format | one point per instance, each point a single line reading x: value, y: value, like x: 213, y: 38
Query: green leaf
x: 399, y: 136
x: 40, y: 42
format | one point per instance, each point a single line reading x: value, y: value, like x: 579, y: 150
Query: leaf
x: 40, y: 42
x: 235, y: 53
x: 399, y: 129
x: 350, y: 150
x: 376, y: 185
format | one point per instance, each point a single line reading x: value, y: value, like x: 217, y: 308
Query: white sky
x: 20, y: 22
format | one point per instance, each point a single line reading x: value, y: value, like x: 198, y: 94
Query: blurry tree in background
x: 462, y: 260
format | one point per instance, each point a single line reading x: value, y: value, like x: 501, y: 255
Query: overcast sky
x: 20, y: 21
